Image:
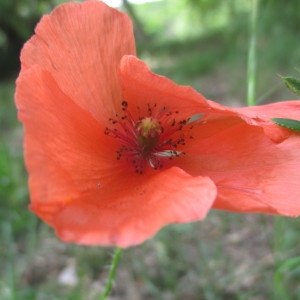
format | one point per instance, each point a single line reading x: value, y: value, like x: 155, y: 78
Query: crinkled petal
x: 257, y: 117
x: 81, y: 45
x: 264, y: 113
x: 283, y: 109
x: 136, y: 209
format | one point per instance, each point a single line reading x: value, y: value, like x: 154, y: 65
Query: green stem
x: 252, y: 56
x: 112, y: 273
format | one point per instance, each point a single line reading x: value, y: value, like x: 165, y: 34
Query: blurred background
x: 202, y: 43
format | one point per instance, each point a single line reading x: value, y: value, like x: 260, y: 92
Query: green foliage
x: 287, y: 123
x: 286, y: 270
x: 292, y: 84
x: 17, y: 21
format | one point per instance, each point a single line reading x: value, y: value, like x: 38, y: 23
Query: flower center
x: 148, y: 139
x: 148, y: 132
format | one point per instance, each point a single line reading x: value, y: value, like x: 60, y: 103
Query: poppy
x: 115, y: 152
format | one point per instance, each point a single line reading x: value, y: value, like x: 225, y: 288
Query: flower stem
x: 112, y: 273
x: 252, y: 56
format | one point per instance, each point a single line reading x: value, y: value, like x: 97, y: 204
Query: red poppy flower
x: 115, y: 152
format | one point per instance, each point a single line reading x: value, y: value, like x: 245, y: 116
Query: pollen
x: 150, y: 138
x: 149, y: 128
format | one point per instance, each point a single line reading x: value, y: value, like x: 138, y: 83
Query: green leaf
x: 287, y: 123
x: 292, y: 84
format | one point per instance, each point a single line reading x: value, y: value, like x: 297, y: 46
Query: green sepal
x: 287, y: 123
x: 292, y: 84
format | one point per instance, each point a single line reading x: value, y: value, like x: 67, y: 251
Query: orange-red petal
x: 135, y: 209
x: 251, y: 172
x: 63, y: 146
x: 81, y: 45
x: 141, y: 86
